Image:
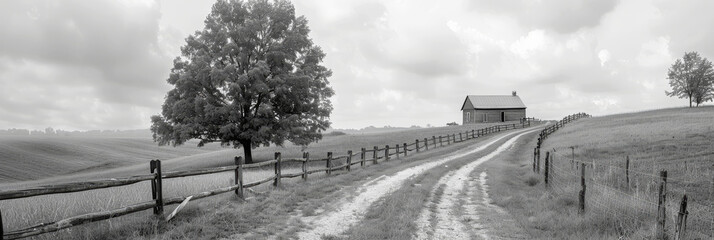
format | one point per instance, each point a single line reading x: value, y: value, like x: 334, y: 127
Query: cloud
x: 103, y: 64
x: 97, y: 60
x: 563, y: 16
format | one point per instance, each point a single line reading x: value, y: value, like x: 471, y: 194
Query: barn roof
x: 493, y: 102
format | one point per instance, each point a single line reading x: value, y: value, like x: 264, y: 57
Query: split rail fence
x: 640, y: 196
x: 156, y: 177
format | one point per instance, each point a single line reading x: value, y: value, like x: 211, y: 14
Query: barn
x: 492, y: 108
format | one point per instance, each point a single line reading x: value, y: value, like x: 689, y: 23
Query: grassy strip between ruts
x: 261, y: 215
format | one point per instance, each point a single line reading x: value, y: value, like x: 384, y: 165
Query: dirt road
x: 449, y: 224
x: 461, y: 211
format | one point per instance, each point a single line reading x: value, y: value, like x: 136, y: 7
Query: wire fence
x: 643, y: 196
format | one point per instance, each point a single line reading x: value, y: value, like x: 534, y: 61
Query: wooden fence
x: 156, y: 177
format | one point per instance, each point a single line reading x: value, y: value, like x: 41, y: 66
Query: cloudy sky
x: 98, y: 64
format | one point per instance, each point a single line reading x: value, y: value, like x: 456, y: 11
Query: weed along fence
x: 641, y: 198
x: 282, y: 168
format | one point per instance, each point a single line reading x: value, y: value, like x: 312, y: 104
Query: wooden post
x: 374, y: 155
x: 534, y: 159
x: 405, y: 149
x: 362, y: 156
x: 306, y: 156
x: 681, y: 219
x: 155, y: 166
x: 473, y: 133
x: 581, y: 195
x: 461, y: 138
x: 329, y: 163
x: 397, y: 149
x: 547, y: 161
x: 239, y: 176
x: 627, y: 171
x: 349, y: 160
x: 386, y: 152
x: 426, y: 144
x: 2, y: 228
x: 433, y: 140
x: 661, y: 208
x: 441, y: 143
x: 417, y: 145
x: 278, y: 170
x: 448, y: 139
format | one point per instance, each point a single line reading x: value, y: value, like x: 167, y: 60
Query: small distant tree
x: 452, y: 124
x: 251, y: 77
x: 691, y: 77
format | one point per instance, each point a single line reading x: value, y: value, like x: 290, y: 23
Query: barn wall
x: 493, y: 115
x: 473, y: 119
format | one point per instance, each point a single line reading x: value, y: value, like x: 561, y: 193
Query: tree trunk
x: 690, y: 101
x: 247, y: 152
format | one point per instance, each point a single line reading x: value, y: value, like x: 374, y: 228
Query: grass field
x: 20, y: 213
x: 676, y: 140
x: 91, y: 158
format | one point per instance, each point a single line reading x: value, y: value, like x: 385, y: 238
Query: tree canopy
x: 251, y: 77
x: 691, y: 77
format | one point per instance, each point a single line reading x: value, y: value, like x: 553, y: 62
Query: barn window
x: 468, y: 116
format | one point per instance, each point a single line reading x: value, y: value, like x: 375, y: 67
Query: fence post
x: 155, y: 166
x: 306, y: 156
x: 349, y: 160
x: 627, y: 171
x: 405, y: 149
x: 426, y: 144
x: 397, y: 149
x: 681, y: 219
x: 417, y: 145
x: 534, y: 159
x: 461, y: 138
x: 329, y: 163
x: 441, y: 143
x: 362, y: 156
x: 386, y: 152
x: 239, y: 176
x: 547, y: 161
x: 433, y: 140
x: 581, y: 195
x: 278, y: 172
x: 448, y: 139
x: 661, y: 208
x: 2, y: 229
x: 374, y: 155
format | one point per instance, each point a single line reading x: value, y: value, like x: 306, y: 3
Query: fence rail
x: 156, y: 177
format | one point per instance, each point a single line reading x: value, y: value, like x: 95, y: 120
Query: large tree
x: 691, y: 77
x: 251, y: 77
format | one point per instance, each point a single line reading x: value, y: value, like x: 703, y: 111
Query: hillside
x: 29, y: 157
x: 36, y: 160
x: 621, y: 198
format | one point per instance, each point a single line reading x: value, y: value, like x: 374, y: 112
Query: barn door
x: 503, y: 116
